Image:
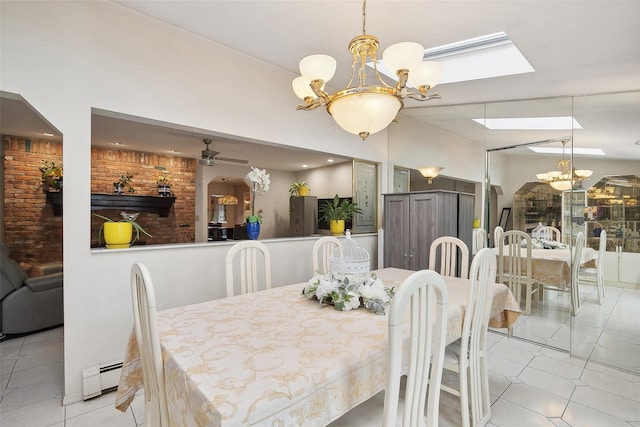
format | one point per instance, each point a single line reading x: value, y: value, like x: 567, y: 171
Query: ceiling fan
x: 210, y: 157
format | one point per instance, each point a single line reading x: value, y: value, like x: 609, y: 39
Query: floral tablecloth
x: 277, y: 358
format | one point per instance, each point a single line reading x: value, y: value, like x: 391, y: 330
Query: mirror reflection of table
x: 218, y: 232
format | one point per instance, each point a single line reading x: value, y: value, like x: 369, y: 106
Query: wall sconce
x: 430, y: 172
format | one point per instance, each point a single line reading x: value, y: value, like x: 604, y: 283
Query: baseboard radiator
x: 99, y: 379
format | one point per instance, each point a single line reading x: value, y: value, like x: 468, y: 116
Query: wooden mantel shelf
x: 151, y: 204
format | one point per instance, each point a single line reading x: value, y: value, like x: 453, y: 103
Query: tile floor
x: 530, y: 385
x: 607, y: 333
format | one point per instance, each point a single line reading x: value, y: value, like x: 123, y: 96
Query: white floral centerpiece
x: 259, y: 185
x: 348, y: 292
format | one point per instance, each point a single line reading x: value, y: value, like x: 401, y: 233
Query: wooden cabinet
x: 303, y: 215
x: 412, y: 221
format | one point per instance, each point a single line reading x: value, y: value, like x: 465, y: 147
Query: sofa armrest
x: 51, y: 267
x: 44, y: 283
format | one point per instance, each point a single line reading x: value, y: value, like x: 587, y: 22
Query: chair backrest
x: 249, y: 252
x: 514, y: 260
x: 148, y: 340
x: 449, y: 254
x: 497, y: 232
x: 481, y: 239
x: 422, y: 292
x: 602, y: 248
x: 550, y: 233
x: 575, y: 271
x: 476, y: 316
x: 322, y: 250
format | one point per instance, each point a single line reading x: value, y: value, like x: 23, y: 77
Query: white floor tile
x: 583, y: 416
x: 556, y: 367
x: 548, y: 382
x: 507, y: 414
x: 534, y: 399
x: 40, y: 414
x: 611, y: 384
x: 107, y: 416
x: 607, y: 403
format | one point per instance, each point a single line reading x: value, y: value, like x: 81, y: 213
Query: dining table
x: 275, y: 357
x: 552, y: 266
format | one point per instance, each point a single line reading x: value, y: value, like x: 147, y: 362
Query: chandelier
x: 365, y: 109
x: 430, y: 172
x: 564, y: 178
x: 227, y: 199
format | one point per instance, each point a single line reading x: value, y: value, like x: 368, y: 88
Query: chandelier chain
x: 364, y: 17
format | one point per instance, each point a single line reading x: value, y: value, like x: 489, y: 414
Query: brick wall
x: 34, y: 234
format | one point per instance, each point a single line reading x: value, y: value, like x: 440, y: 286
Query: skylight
x: 558, y: 150
x: 492, y: 55
x: 530, y: 123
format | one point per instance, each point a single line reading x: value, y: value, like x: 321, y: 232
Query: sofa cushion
x: 11, y: 271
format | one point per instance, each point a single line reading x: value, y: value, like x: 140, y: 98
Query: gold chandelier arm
x: 310, y: 105
x: 421, y: 96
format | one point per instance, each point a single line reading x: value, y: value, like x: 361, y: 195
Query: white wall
x: 65, y: 58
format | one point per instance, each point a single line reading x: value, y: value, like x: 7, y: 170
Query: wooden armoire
x: 412, y: 221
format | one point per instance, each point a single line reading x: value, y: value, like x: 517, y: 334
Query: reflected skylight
x: 530, y: 123
x: 576, y: 150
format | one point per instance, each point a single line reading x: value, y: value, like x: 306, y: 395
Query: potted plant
x: 51, y: 175
x: 336, y: 212
x: 164, y: 185
x: 119, y: 234
x: 122, y: 183
x: 299, y: 188
x: 260, y: 183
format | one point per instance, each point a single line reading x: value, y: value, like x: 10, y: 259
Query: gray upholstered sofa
x: 28, y: 304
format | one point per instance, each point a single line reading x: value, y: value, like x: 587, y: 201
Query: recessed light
x: 331, y: 160
x: 305, y: 166
x: 118, y: 144
x: 47, y: 133
x: 174, y: 151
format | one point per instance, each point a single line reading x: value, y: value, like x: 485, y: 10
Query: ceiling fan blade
x: 226, y: 159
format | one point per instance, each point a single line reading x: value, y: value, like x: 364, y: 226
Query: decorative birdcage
x: 350, y: 258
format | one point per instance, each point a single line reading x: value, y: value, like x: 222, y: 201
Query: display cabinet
x: 613, y: 204
x: 573, y: 214
x: 535, y: 203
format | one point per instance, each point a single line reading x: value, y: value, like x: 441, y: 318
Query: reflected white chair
x: 575, y: 273
x: 322, y: 250
x: 497, y: 232
x: 148, y: 340
x: 251, y: 254
x: 591, y: 274
x: 514, y: 266
x: 447, y: 253
x: 419, y: 295
x: 550, y: 233
x: 480, y: 239
x: 468, y: 355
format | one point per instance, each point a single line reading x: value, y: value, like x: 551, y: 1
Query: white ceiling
x: 576, y: 48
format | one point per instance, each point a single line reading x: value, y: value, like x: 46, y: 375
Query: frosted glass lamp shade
x: 584, y: 173
x: 301, y: 87
x: 554, y: 174
x: 364, y: 113
x: 542, y: 176
x: 427, y: 73
x: 404, y: 55
x: 430, y: 171
x: 317, y: 67
x: 561, y: 185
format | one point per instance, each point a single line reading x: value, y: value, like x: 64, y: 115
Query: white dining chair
x: 480, y: 239
x: 145, y: 325
x: 575, y: 273
x: 550, y: 233
x: 418, y: 295
x: 467, y: 356
x: 497, y: 232
x: 322, y: 250
x: 251, y: 254
x: 448, y: 254
x: 596, y: 274
x: 514, y: 266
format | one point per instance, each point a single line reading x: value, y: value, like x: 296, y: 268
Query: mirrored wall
x: 608, y: 331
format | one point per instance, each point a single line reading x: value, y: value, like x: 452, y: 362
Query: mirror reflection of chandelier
x: 227, y: 199
x: 563, y: 179
x: 365, y: 109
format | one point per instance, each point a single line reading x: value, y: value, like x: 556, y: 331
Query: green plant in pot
x: 119, y: 234
x: 123, y: 183
x: 336, y: 212
x: 299, y: 188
